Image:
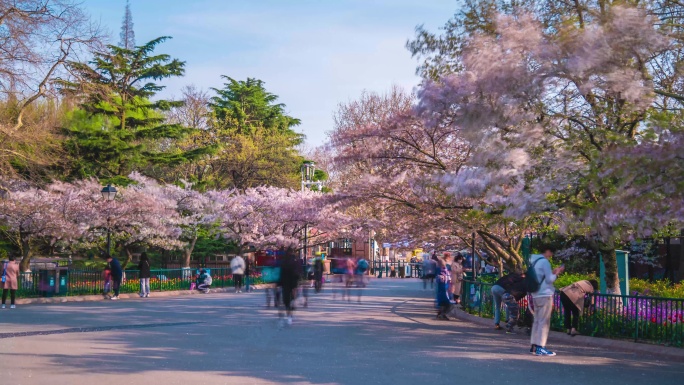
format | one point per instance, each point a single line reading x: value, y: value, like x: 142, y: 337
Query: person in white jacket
x: 237, y: 267
x: 543, y: 300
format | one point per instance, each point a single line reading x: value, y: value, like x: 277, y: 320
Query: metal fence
x: 397, y: 269
x: 64, y: 282
x: 639, y: 318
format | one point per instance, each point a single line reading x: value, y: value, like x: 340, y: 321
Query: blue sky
x: 312, y: 54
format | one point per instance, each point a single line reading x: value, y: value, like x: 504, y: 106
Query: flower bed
x: 639, y: 318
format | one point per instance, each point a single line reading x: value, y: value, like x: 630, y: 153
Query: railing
x: 639, y: 318
x: 401, y: 269
x: 50, y: 283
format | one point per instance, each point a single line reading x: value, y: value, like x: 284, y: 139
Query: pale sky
x: 313, y: 54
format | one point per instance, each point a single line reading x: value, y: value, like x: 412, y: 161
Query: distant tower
x: 127, y: 34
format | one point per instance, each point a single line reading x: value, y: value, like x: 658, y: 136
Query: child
x: 107, y: 276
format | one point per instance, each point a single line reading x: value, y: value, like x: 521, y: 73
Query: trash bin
x: 63, y: 281
x: 46, y: 283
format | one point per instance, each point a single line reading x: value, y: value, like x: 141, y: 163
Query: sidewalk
x: 627, y: 346
x: 98, y: 297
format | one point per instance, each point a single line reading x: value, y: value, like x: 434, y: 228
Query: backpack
x: 531, y: 280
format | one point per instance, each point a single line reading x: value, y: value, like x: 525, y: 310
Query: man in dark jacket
x: 117, y: 275
x: 290, y: 271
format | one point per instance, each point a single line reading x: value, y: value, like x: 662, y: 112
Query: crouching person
x: 204, y: 281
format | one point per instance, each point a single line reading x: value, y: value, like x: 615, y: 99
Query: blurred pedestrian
x: 10, y: 281
x: 145, y: 274
x: 443, y: 281
x: 360, y: 270
x: 290, y: 272
x: 429, y: 272
x: 318, y: 274
x: 107, y: 277
x: 575, y: 298
x: 516, y: 290
x: 237, y: 267
x: 248, y: 273
x: 117, y: 275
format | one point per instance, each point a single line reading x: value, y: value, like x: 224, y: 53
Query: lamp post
x: 108, y: 193
x: 308, y: 170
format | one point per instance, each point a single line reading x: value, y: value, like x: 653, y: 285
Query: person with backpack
x: 540, y: 278
x: 145, y: 274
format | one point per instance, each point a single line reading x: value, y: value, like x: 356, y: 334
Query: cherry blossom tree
x: 33, y: 216
x: 545, y: 116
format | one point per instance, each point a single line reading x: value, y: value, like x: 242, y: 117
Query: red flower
x: 653, y: 319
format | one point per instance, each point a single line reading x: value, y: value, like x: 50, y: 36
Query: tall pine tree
x: 127, y: 34
x: 118, y: 128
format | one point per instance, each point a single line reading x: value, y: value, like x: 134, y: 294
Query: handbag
x: 4, y: 273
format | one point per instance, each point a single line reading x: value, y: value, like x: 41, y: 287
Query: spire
x: 127, y: 34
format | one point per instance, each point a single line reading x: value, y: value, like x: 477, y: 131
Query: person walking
x: 237, y: 266
x: 117, y: 275
x: 145, y: 274
x: 318, y: 274
x: 542, y: 299
x: 443, y: 281
x: 248, y: 273
x: 574, y: 298
x: 429, y: 272
x: 290, y: 271
x: 10, y: 281
x: 456, y: 278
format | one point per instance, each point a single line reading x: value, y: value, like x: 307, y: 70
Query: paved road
x: 389, y: 338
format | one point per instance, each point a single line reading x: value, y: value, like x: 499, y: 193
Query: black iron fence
x: 639, y: 318
x: 66, y: 282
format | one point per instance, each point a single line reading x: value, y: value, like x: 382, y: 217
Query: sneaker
x: 13, y: 307
x: 115, y: 298
x: 147, y: 296
x: 533, y: 348
x: 509, y: 330
x: 3, y: 306
x: 540, y: 351
x: 289, y: 320
x: 497, y: 327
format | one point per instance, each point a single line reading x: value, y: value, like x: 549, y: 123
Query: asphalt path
x: 390, y: 337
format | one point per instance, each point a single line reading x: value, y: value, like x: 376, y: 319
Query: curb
x: 597, y: 342
x: 95, y: 298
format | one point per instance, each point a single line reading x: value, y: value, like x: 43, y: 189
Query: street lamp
x: 308, y: 170
x: 108, y: 193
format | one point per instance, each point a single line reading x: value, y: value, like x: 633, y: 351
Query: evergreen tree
x: 257, y: 137
x: 118, y: 128
x: 127, y: 34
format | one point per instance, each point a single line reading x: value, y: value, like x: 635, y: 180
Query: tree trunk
x: 610, y: 261
x: 187, y: 252
x: 26, y: 254
x: 129, y: 258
